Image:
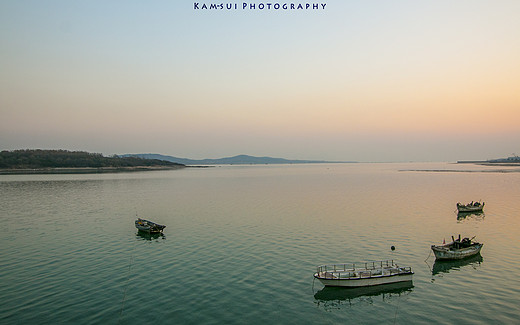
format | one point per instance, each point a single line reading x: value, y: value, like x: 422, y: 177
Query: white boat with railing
x: 362, y: 274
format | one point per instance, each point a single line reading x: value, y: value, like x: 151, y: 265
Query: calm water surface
x: 242, y: 242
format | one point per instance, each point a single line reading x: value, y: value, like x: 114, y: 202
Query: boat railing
x: 352, y: 266
x: 361, y: 270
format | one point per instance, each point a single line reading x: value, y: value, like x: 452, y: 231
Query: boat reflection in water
x: 146, y: 236
x: 334, y: 297
x: 445, y: 266
x: 478, y: 215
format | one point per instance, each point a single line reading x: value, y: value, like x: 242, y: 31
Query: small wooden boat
x: 457, y: 249
x: 470, y: 207
x: 362, y: 275
x: 148, y: 226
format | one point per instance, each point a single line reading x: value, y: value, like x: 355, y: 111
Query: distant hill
x: 236, y: 160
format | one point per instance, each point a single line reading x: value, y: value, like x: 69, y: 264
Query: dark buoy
x: 392, y: 247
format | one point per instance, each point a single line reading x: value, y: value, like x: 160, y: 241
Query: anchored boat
x: 363, y: 274
x: 470, y: 207
x: 457, y: 249
x: 148, y: 226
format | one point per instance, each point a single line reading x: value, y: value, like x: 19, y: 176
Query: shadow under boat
x: 149, y: 236
x: 386, y: 290
x: 445, y: 266
x: 476, y: 215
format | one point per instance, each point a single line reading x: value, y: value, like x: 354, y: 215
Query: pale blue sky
x: 359, y: 80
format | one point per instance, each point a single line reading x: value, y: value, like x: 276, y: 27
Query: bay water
x: 242, y: 243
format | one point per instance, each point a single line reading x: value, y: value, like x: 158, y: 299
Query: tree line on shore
x: 37, y: 158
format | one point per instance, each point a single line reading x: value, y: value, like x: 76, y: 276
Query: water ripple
x: 241, y: 245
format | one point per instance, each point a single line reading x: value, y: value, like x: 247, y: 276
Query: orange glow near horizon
x: 260, y: 81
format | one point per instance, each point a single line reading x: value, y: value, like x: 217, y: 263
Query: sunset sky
x: 359, y: 80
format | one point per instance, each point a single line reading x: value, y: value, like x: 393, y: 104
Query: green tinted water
x: 242, y: 242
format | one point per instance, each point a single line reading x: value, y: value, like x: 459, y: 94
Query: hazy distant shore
x: 85, y: 170
x: 511, y: 164
x: 462, y: 170
x: 480, y: 163
x: 499, y: 162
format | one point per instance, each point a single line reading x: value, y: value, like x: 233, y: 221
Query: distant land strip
x: 37, y: 161
x: 517, y: 170
x: 83, y: 170
x: 509, y: 161
x: 513, y: 161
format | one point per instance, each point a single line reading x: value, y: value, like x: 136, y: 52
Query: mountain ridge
x: 234, y: 160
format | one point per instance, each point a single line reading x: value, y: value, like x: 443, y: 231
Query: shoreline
x: 491, y: 164
x: 462, y: 170
x: 504, y: 164
x: 85, y: 170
